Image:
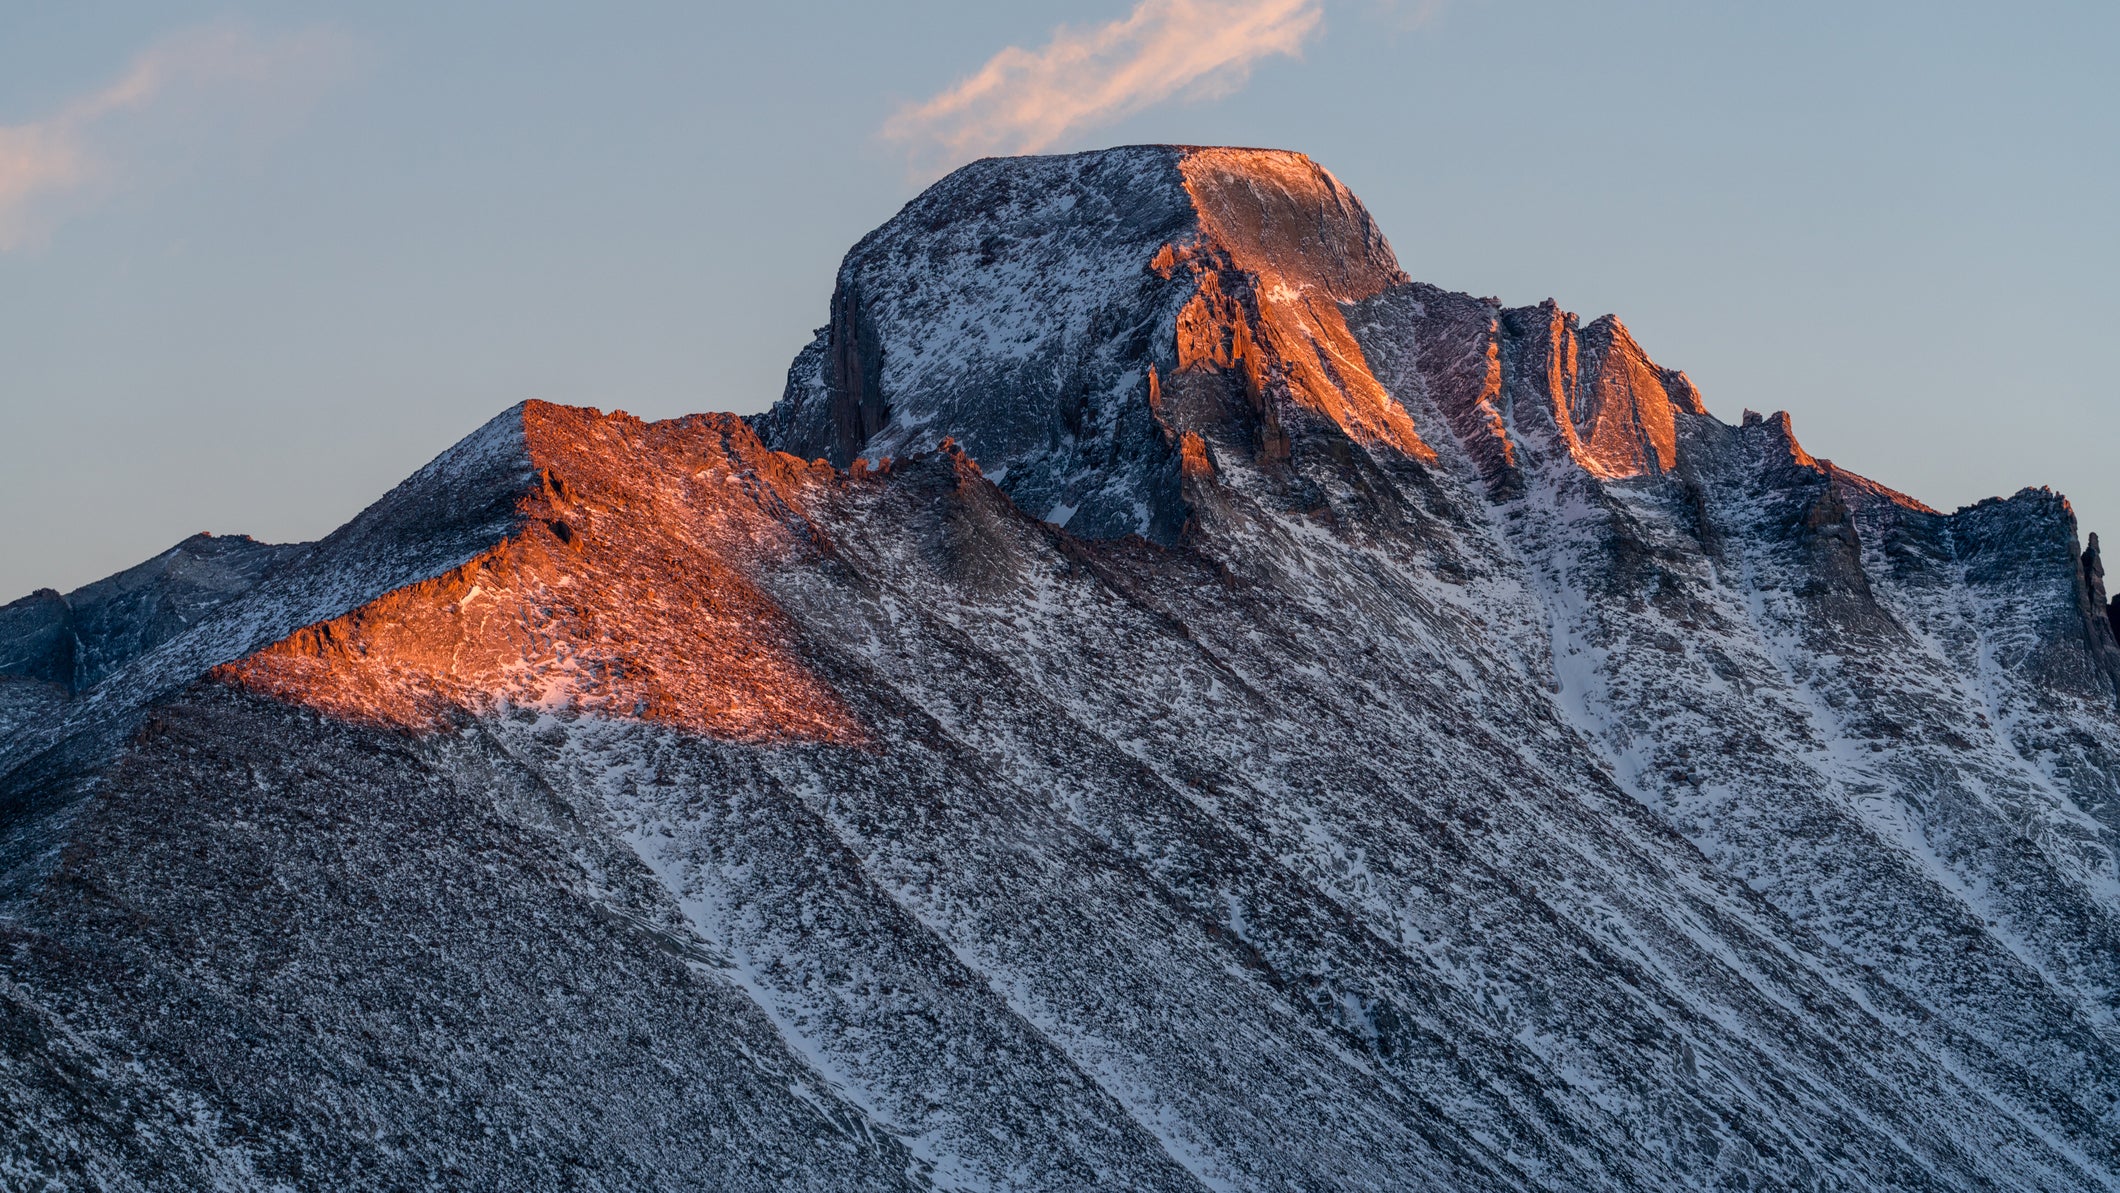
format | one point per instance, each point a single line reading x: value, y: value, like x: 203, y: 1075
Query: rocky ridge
x: 1164, y: 701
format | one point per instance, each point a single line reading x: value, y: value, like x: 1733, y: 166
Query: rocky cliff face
x: 1163, y: 702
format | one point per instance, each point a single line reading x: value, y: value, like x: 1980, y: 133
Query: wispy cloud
x: 1023, y: 101
x: 45, y: 162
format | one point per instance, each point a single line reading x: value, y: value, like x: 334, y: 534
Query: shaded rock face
x: 81, y: 638
x: 1435, y: 753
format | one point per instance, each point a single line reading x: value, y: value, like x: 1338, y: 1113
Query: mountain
x: 1163, y: 702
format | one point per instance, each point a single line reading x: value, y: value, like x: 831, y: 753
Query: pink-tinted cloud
x: 44, y: 162
x: 1023, y: 101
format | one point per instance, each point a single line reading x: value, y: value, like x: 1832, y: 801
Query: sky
x: 259, y: 261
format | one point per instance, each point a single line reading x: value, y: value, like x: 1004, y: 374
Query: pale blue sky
x: 327, y: 240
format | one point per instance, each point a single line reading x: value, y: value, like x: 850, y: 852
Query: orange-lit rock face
x: 1193, y: 460
x: 1615, y: 409
x: 1301, y: 245
x: 624, y: 596
x: 1625, y: 406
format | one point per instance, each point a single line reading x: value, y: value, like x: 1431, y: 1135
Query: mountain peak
x: 1283, y: 217
x: 623, y: 591
x: 1505, y: 776
x: 1042, y: 311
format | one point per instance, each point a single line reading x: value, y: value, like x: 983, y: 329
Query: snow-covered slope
x: 1220, y: 715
